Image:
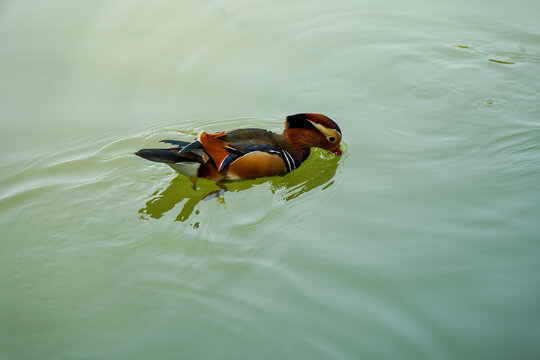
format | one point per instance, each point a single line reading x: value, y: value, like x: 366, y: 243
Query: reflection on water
x: 317, y: 171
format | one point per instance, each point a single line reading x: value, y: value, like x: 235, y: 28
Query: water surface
x: 421, y: 242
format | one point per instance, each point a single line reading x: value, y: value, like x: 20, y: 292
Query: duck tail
x: 186, y: 164
x: 159, y: 155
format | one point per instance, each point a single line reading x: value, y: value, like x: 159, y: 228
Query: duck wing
x: 247, y: 153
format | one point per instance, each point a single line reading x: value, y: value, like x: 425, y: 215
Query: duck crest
x: 323, y: 120
x: 307, y: 121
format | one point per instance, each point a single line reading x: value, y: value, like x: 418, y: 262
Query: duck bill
x: 338, y: 151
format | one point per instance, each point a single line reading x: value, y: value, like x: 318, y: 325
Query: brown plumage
x: 250, y: 153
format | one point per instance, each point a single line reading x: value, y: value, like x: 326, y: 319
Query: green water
x: 421, y: 242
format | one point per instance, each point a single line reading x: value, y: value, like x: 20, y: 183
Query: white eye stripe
x: 329, y: 133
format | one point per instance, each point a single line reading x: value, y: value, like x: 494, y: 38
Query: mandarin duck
x: 250, y: 153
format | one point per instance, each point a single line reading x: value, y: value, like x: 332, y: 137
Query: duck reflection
x: 318, y: 171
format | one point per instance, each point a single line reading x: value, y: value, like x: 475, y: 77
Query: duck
x: 249, y: 153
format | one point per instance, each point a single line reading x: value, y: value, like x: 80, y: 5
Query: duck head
x: 307, y: 130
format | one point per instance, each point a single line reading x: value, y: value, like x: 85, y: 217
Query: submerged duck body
x: 250, y: 153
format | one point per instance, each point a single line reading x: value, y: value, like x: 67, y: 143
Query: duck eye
x: 332, y: 139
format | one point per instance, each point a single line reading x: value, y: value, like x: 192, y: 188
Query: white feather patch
x: 186, y: 168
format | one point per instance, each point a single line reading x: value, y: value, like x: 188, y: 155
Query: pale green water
x: 422, y: 242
